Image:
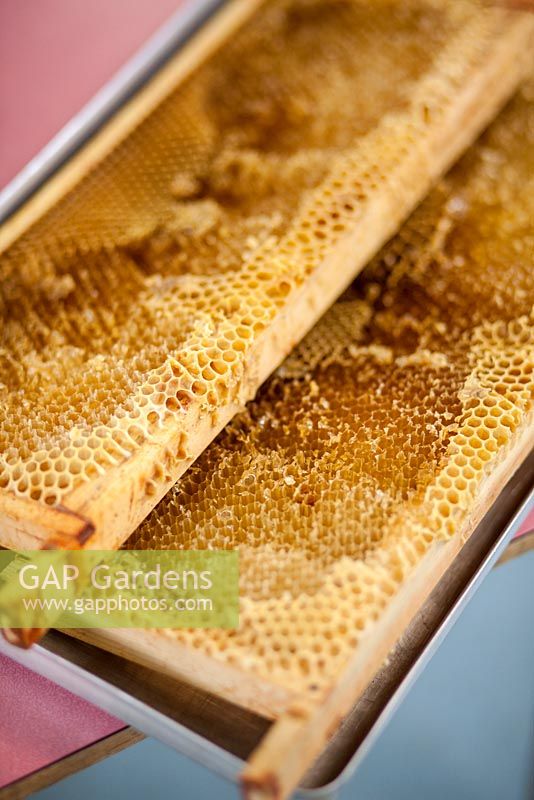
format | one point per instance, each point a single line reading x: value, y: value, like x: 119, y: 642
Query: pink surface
x: 528, y: 525
x: 41, y: 723
x: 54, y: 56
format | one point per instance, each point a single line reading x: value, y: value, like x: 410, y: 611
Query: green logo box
x: 119, y: 589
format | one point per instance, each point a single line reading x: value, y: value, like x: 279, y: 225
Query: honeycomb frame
x: 469, y: 241
x: 456, y: 96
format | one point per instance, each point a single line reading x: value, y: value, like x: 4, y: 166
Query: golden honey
x: 375, y: 438
x: 144, y: 288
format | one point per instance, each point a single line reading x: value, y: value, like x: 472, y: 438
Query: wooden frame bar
x: 297, y: 738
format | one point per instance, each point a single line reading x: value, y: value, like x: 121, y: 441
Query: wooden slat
x: 297, y: 738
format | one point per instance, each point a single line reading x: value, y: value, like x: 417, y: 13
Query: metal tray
x: 220, y: 735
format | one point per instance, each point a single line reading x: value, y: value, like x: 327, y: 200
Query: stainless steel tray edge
x: 147, y: 60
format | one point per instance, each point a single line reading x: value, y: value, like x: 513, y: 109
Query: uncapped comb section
x: 356, y: 474
x: 151, y: 301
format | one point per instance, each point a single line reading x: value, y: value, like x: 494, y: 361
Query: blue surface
x: 465, y: 731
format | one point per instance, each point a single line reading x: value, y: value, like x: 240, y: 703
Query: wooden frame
x: 302, y: 727
x: 300, y: 734
x: 103, y: 512
x: 236, y: 730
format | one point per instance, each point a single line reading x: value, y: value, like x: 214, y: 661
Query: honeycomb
x: 373, y: 440
x: 144, y: 289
